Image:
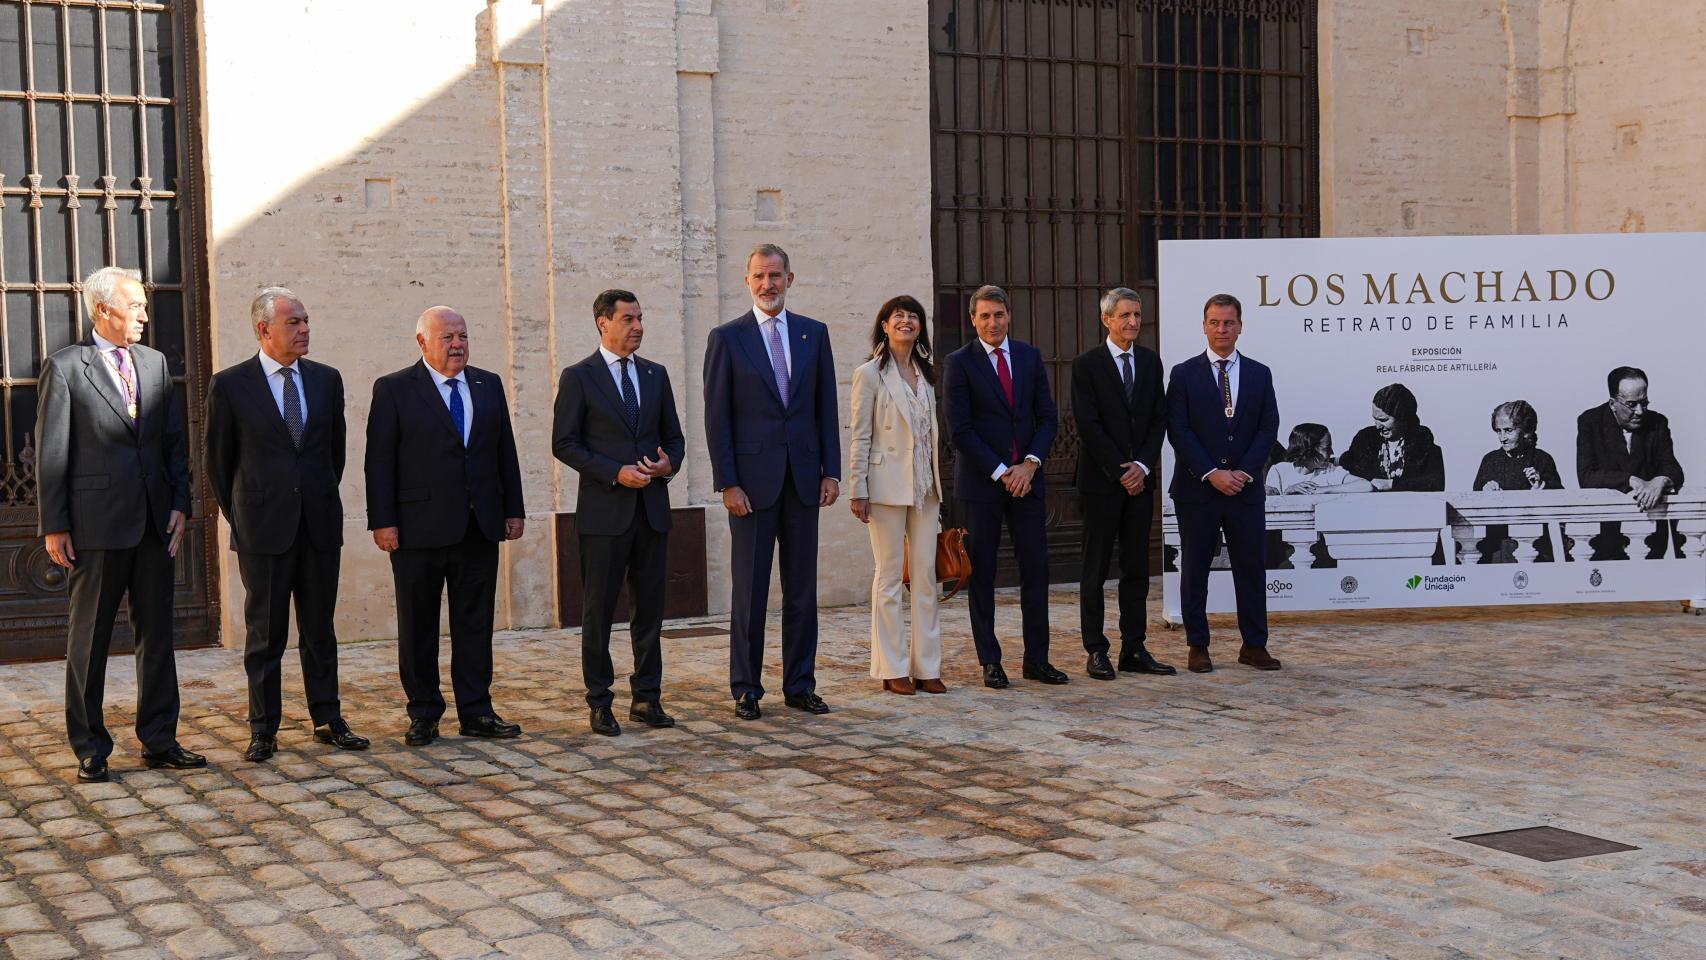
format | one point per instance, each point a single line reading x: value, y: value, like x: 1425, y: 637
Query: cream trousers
x: 890, y: 656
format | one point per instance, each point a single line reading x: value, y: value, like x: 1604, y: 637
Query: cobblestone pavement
x: 1307, y: 813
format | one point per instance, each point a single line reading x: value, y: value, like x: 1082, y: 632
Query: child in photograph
x: 1308, y: 466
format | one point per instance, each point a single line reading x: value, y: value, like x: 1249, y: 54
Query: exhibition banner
x: 1448, y: 434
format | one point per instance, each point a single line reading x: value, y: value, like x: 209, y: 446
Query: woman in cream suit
x: 897, y: 492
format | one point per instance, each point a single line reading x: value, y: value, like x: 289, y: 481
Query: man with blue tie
x: 274, y: 458
x: 443, y: 489
x: 1002, y: 420
x: 615, y: 424
x: 1222, y: 420
x: 773, y: 432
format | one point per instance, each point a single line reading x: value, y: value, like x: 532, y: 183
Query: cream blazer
x: 881, y: 467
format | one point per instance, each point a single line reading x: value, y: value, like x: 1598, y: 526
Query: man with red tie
x: 1002, y: 421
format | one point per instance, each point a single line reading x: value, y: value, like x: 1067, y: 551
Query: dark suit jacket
x: 1203, y: 440
x: 264, y: 485
x: 420, y: 479
x: 1603, y: 461
x: 1111, y: 429
x: 98, y: 475
x: 753, y: 440
x: 590, y: 432
x: 984, y: 427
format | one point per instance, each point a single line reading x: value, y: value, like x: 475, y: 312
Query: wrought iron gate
x: 96, y: 168
x: 1071, y: 136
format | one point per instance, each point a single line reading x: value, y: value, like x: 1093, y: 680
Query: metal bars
x: 90, y: 161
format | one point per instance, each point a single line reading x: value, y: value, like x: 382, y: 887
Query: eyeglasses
x: 1642, y: 404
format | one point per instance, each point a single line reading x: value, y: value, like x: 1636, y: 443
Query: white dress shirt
x: 1231, y: 380
x: 106, y: 347
x: 467, y: 398
x: 1007, y: 352
x: 275, y: 382
x: 1119, y: 367
x: 614, y: 362
x: 781, y: 319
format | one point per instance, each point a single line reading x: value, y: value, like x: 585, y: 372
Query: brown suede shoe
x: 900, y: 685
x: 932, y: 685
x: 1257, y: 657
x: 1199, y: 661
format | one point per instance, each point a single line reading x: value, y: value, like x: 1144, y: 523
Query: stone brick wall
x: 1512, y: 116
x: 513, y: 158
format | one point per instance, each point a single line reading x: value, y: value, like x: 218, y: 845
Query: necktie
x: 121, y: 362
x: 1127, y: 375
x: 292, y: 406
x: 628, y: 399
x: 778, y: 359
x: 458, y: 414
x: 1225, y: 386
x: 1005, y: 375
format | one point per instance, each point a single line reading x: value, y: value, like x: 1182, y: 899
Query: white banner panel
x: 1465, y: 325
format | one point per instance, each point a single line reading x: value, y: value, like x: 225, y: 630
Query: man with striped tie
x: 615, y: 424
x: 443, y: 490
x: 274, y: 458
x: 1222, y: 420
x: 113, y: 488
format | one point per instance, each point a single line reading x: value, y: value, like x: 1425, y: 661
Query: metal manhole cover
x: 1546, y: 843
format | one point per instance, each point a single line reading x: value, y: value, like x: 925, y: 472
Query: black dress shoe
x: 746, y: 707
x: 175, y: 757
x: 92, y: 770
x: 1143, y: 662
x: 261, y: 747
x: 421, y: 733
x: 490, y: 726
x: 994, y: 677
x: 603, y: 722
x: 338, y: 734
x: 650, y: 713
x: 809, y: 702
x: 1044, y: 673
x: 1098, y: 667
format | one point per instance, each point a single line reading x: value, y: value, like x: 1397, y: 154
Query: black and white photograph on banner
x: 1463, y: 420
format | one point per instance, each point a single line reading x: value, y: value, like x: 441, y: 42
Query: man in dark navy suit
x: 773, y: 433
x: 615, y: 424
x: 443, y: 489
x: 1002, y: 420
x: 274, y: 458
x: 1222, y: 420
x: 1624, y: 444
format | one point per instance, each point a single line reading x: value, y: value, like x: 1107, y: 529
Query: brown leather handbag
x: 952, y: 561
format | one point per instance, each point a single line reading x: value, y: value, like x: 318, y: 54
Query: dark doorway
x: 1070, y: 137
x: 98, y: 166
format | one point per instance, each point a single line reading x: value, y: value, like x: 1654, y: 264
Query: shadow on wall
x: 410, y: 216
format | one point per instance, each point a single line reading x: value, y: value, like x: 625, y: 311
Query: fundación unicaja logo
x: 1414, y: 582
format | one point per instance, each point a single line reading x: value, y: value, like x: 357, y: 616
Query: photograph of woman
x: 897, y: 493
x: 1396, y: 452
x: 1308, y: 466
x: 1517, y: 464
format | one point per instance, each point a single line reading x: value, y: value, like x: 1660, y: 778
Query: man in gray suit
x: 113, y: 487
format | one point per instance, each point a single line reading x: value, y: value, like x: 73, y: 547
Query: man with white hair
x: 113, y: 482
x: 275, y: 456
x: 443, y: 489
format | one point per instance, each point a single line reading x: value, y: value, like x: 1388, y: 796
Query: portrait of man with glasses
x: 1624, y: 444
